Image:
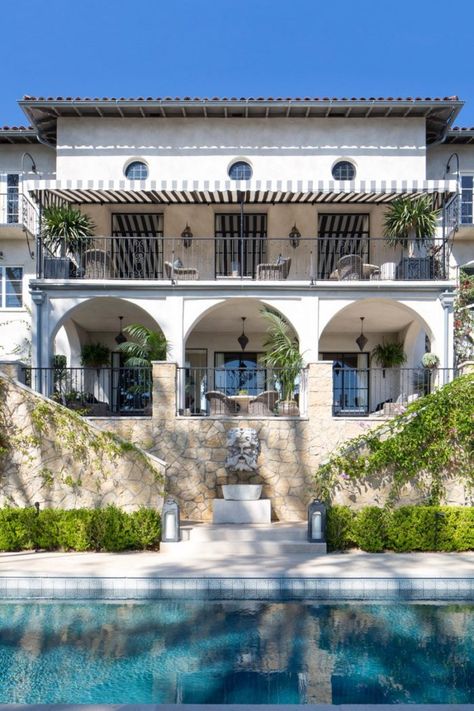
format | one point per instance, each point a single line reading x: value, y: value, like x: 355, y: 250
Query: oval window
x: 137, y: 170
x: 343, y: 170
x: 240, y: 171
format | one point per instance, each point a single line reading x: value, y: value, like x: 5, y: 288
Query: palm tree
x: 408, y: 221
x: 66, y: 230
x: 282, y: 352
x: 146, y: 345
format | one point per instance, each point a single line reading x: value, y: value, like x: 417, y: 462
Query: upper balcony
x: 350, y: 259
x: 17, y: 214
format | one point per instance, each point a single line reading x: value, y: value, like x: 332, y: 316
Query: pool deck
x: 354, y: 564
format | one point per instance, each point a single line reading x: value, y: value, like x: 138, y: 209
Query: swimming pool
x: 179, y: 651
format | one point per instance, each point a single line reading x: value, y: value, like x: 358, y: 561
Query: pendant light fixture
x: 242, y: 339
x: 361, y: 340
x: 120, y: 337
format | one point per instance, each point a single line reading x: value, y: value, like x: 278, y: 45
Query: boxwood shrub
x: 108, y: 529
x: 408, y: 528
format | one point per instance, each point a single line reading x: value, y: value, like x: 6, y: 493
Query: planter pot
x: 288, y: 408
x: 242, y: 492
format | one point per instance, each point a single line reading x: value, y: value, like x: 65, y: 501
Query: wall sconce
x: 294, y: 236
x: 187, y: 236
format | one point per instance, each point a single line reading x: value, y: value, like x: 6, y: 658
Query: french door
x: 240, y: 248
x: 137, y: 250
x: 340, y: 235
x: 350, y: 382
x: 239, y: 372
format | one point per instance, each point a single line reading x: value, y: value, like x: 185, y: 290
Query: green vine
x: 464, y: 319
x: 433, y: 439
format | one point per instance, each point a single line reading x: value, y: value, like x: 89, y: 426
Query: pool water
x: 236, y: 652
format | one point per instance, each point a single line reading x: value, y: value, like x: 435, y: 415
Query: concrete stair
x: 205, y: 540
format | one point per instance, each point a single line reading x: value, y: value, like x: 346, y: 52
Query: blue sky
x: 245, y: 48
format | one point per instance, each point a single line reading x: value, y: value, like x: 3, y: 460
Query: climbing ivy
x: 464, y: 319
x: 434, y: 438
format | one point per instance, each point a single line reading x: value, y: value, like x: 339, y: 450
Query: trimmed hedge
x: 408, y: 528
x: 109, y: 529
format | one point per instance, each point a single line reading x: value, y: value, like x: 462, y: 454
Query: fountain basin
x: 242, y: 492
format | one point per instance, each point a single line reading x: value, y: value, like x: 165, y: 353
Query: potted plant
x: 65, y: 232
x: 411, y: 223
x: 430, y: 361
x: 282, y: 352
x: 146, y: 345
x: 95, y: 355
x: 389, y: 355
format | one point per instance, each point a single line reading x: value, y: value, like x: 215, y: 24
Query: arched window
x: 240, y: 170
x: 343, y: 170
x: 136, y: 170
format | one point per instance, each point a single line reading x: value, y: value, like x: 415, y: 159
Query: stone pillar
x: 13, y: 369
x: 164, y: 390
x: 320, y: 390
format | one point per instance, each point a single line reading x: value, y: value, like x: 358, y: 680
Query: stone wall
x: 59, y: 459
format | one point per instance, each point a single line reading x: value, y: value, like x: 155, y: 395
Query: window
x: 343, y: 170
x: 467, y: 188
x: 240, y: 171
x: 137, y: 170
x: 11, y: 282
x: 12, y: 197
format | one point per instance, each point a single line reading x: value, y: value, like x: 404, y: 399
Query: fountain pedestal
x: 241, y: 504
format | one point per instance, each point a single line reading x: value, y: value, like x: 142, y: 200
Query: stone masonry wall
x: 194, y: 449
x: 59, y: 459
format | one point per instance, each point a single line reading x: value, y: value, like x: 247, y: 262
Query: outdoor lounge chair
x: 264, y: 403
x: 220, y: 404
x: 277, y: 271
x: 350, y: 267
x: 180, y: 272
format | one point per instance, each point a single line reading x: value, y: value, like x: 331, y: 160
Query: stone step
x: 244, y: 532
x: 233, y: 549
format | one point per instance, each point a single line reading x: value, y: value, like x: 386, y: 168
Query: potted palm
x: 65, y: 233
x: 95, y: 355
x: 282, y: 352
x: 411, y: 223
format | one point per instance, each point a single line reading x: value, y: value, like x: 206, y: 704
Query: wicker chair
x: 220, y: 404
x: 180, y: 272
x: 274, y: 272
x: 350, y: 267
x: 264, y: 404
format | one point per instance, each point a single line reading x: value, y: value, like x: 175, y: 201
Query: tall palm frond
x: 407, y: 220
x: 282, y: 351
x: 146, y: 345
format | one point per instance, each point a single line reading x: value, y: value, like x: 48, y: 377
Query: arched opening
x: 89, y: 370
x: 224, y: 356
x: 376, y: 346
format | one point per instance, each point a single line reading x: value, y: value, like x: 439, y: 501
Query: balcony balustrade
x: 313, y: 259
x: 16, y: 210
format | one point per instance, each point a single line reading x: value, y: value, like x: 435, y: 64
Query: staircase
x: 233, y: 540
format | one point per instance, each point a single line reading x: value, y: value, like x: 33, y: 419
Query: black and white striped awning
x: 175, y: 192
x: 137, y: 224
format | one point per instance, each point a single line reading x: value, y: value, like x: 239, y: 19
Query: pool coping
x: 283, y: 588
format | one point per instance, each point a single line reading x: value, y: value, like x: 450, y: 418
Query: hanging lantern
x: 317, y: 522
x: 120, y: 337
x: 170, y: 523
x: 361, y: 340
x: 242, y: 339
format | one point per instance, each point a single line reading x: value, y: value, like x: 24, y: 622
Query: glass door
x: 350, y: 382
x: 240, y: 251
x: 239, y: 373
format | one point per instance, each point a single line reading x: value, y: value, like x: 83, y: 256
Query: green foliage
x: 66, y: 230
x: 407, y: 219
x: 434, y: 438
x: 93, y: 355
x: 339, y: 527
x: 146, y: 345
x: 464, y: 319
x: 282, y: 351
x: 408, y: 528
x: 109, y: 529
x: 389, y: 355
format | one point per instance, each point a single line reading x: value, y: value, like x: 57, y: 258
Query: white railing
x: 17, y: 209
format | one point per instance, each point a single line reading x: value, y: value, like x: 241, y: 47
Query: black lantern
x: 317, y: 522
x: 187, y: 236
x: 361, y: 340
x: 242, y: 339
x: 170, y: 523
x: 294, y: 236
x: 120, y: 338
